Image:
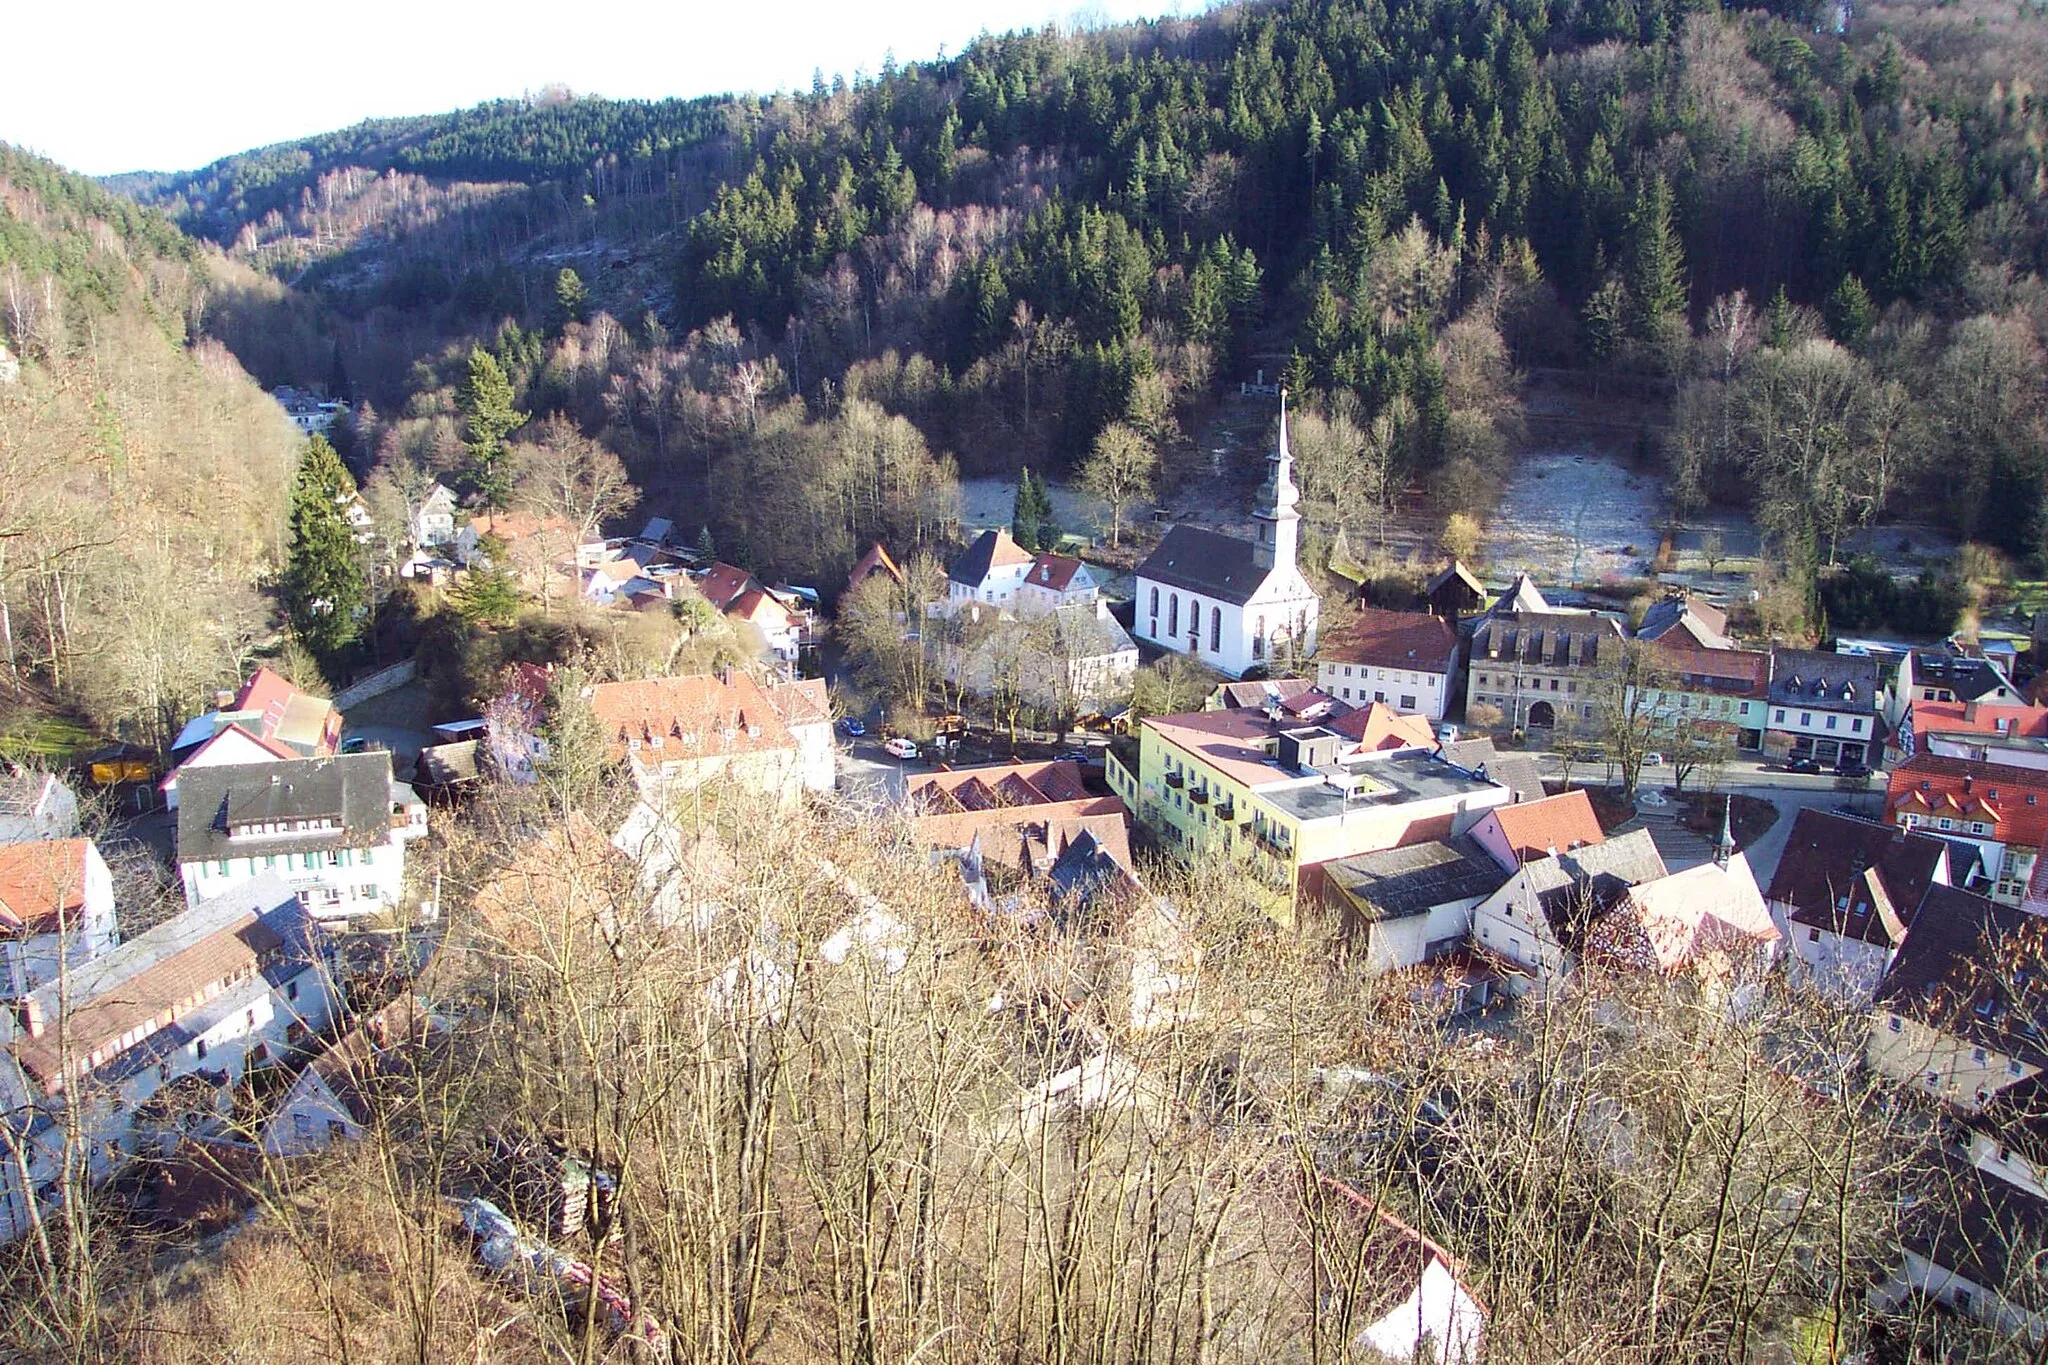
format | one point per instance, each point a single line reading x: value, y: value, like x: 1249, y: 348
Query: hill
x: 1402, y: 205
x: 142, y: 473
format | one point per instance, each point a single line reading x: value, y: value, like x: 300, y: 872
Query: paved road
x: 1789, y: 792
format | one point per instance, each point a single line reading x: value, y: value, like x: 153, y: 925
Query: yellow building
x: 1283, y: 797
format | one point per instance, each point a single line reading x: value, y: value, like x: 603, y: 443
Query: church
x: 1234, y: 604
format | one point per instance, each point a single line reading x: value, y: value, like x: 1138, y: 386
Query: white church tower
x: 1234, y: 604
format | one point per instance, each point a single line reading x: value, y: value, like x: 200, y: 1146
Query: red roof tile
x: 686, y: 718
x: 1978, y: 718
x: 1379, y: 726
x: 1537, y: 829
x: 41, y: 883
x: 1392, y: 639
x: 1053, y: 572
x: 1933, y: 786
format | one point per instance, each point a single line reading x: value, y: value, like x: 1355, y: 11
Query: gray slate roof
x: 353, y: 791
x: 1817, y: 679
x: 1398, y: 883
x: 1956, y: 973
x: 1820, y: 873
x: 1515, y: 771
x: 1604, y: 872
x: 1206, y: 562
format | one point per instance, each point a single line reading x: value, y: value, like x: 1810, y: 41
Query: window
x: 367, y: 891
x: 1408, y: 703
x: 1894, y: 1023
x: 1977, y: 1055
x: 1379, y: 696
x: 1857, y: 726
x: 252, y: 1018
x: 1832, y: 720
x: 1173, y: 613
x: 199, y: 1049
x: 1216, y: 628
x: 1812, y: 934
x: 1779, y: 718
x: 369, y: 856
x: 1155, y: 601
x: 1806, y: 717
x: 291, y: 990
x: 2013, y: 1068
x: 302, y: 1126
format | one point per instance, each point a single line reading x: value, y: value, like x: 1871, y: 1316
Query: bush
x: 1863, y: 596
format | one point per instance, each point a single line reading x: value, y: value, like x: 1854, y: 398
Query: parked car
x: 899, y: 747
x: 1802, y: 765
x: 851, y: 727
x: 1076, y: 756
x: 1653, y: 759
x: 359, y: 744
x: 1447, y: 734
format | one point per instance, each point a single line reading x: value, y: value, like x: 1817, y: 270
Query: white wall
x: 1847, y: 968
x: 1394, y: 944
x: 1439, y: 1313
x: 1403, y: 689
x: 360, y: 881
x: 308, y: 1119
x: 31, y: 962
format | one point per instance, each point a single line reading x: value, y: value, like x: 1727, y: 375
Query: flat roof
x: 1398, y: 779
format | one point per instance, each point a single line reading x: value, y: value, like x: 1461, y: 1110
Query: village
x: 1482, y: 802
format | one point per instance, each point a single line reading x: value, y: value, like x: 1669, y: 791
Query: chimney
x: 32, y: 1021
x: 223, y: 699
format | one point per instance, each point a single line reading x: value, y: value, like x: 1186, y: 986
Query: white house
x: 158, y: 1033
x: 1846, y: 891
x: 1824, y: 707
x: 434, y: 522
x: 56, y: 911
x: 334, y: 829
x: 1535, y: 924
x: 330, y: 1099
x: 1410, y: 660
x: 1231, y: 603
x: 35, y: 805
x: 1054, y: 583
x: 1413, y: 904
x: 991, y: 572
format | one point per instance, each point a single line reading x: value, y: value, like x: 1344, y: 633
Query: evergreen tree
x: 485, y: 401
x: 1778, y: 324
x: 572, y: 300
x: 1850, y: 312
x: 488, y: 594
x: 1656, y: 264
x: 574, y: 770
x: 323, y: 582
x: 1031, y: 515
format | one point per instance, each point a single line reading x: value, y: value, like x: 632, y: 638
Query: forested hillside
x: 1805, y: 240
x: 142, y: 474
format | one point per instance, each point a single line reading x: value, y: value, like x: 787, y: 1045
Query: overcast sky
x: 118, y: 85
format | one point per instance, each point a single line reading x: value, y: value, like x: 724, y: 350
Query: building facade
x: 1231, y: 603
x: 334, y: 829
x: 1409, y: 660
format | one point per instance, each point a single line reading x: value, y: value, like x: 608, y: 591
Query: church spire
x: 1279, y: 523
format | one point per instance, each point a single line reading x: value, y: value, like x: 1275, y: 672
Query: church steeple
x: 1279, y: 523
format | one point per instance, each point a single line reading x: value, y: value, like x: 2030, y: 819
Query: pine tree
x: 1031, y: 516
x: 1656, y: 260
x: 1850, y: 311
x: 1779, y: 324
x: 485, y: 401
x: 574, y: 769
x: 323, y: 583
x: 572, y: 300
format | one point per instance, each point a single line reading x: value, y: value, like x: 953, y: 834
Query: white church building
x: 1234, y: 604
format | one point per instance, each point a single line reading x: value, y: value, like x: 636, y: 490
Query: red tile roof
x: 722, y: 584
x: 1392, y: 639
x: 1379, y: 726
x: 686, y: 718
x: 1977, y: 718
x: 1537, y: 829
x: 1022, y: 812
x: 1724, y: 672
x: 2013, y: 800
x: 875, y: 561
x: 1053, y: 572
x: 41, y: 884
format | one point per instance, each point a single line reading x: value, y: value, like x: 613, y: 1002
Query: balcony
x: 1199, y: 796
x: 1274, y: 844
x: 1176, y: 781
x: 1226, y: 810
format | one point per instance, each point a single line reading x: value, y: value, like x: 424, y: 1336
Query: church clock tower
x: 1279, y: 523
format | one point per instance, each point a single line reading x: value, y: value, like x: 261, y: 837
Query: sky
x: 121, y: 85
